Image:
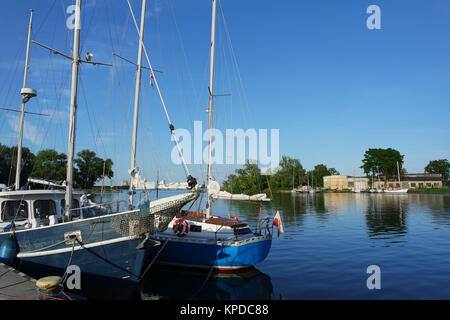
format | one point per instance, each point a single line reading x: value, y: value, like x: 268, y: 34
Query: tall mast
x: 398, y: 174
x: 136, y: 99
x: 24, y: 101
x: 73, y: 108
x: 211, y: 103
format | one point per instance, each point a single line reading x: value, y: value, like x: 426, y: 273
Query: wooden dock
x: 15, y: 285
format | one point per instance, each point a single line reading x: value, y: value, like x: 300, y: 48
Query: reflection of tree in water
x: 318, y: 206
x: 437, y: 206
x: 291, y: 206
x: 386, y: 216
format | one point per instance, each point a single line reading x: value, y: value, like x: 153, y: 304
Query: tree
x: 290, y: 170
x: 247, y: 180
x: 90, y: 169
x: 439, y: 166
x: 48, y: 164
x: 319, y: 172
x: 8, y: 160
x: 382, y: 161
x: 333, y: 172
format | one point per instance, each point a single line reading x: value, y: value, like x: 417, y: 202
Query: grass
x: 444, y: 190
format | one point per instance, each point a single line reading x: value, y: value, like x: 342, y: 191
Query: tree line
x: 51, y: 165
x: 290, y: 172
x: 383, y: 162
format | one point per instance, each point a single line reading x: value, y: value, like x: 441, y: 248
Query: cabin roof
x: 33, y: 193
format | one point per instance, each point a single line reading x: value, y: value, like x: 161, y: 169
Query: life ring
x: 181, y: 228
x: 234, y: 217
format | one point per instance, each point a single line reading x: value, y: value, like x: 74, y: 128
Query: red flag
x: 277, y: 222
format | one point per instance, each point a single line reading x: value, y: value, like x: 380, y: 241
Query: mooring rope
x: 106, y: 260
x: 153, y: 260
x: 206, y: 280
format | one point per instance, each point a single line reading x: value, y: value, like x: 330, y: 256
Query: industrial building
x: 410, y: 181
x: 339, y: 182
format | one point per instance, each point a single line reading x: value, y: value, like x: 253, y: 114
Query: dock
x: 15, y: 285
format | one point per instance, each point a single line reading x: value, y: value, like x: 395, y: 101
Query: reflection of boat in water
x: 163, y: 283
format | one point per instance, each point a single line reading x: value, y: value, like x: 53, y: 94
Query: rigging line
x: 45, y: 18
x: 172, y: 129
x: 86, y: 33
x: 196, y: 92
x: 235, y: 62
x: 122, y: 95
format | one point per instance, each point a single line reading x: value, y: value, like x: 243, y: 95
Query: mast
x: 211, y: 103
x: 136, y: 99
x: 293, y: 176
x: 398, y: 175
x: 73, y: 108
x: 24, y: 101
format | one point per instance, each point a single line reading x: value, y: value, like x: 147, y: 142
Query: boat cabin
x: 35, y: 208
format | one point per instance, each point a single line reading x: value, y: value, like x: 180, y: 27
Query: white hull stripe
x: 212, y: 242
x: 76, y: 248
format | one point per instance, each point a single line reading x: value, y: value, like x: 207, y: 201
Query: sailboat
x: 202, y: 239
x: 398, y: 190
x: 107, y: 249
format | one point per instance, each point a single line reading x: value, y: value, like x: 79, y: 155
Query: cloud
x: 31, y: 133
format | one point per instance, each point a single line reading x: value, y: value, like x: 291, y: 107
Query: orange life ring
x: 181, y: 228
x: 234, y: 217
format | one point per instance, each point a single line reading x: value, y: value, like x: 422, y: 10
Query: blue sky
x: 311, y: 69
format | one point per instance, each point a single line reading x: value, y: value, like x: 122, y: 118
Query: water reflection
x: 386, y: 216
x: 174, y: 283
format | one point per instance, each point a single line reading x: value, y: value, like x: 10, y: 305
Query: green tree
x: 382, y: 161
x: 290, y: 170
x: 50, y: 164
x: 8, y: 159
x: 319, y: 172
x: 439, y: 166
x: 90, y: 169
x: 247, y: 180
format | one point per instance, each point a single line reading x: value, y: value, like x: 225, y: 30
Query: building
x: 413, y: 181
x: 339, y: 182
x: 410, y: 181
x: 336, y: 182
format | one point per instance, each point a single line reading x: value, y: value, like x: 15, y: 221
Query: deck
x: 15, y: 285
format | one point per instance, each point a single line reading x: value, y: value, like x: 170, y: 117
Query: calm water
x: 328, y: 243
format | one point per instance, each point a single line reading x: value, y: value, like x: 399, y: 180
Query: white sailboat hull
x: 396, y: 191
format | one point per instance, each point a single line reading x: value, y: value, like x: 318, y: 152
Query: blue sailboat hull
x: 195, y: 255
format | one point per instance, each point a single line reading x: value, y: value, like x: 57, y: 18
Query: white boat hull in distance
x: 229, y: 196
x: 396, y: 191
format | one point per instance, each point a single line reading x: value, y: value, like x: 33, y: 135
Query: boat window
x: 44, y: 208
x: 242, y: 231
x: 195, y: 228
x: 75, y: 205
x: 14, y: 210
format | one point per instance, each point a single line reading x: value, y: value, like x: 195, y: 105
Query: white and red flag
x: 277, y: 222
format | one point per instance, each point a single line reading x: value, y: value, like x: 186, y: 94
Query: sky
x: 311, y: 69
